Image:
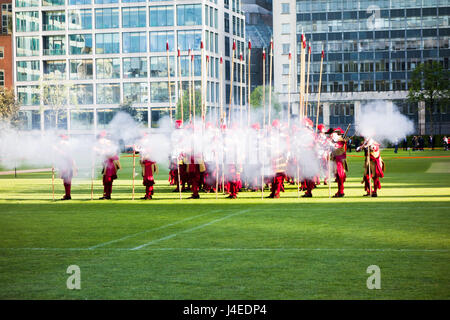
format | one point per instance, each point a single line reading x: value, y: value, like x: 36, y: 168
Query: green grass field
x: 288, y: 248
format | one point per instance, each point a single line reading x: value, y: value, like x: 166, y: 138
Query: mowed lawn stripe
x: 189, y: 230
x: 150, y: 230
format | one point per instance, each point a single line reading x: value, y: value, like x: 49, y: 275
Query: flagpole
x: 168, y: 78
x: 302, y: 77
x: 320, y: 89
x: 206, y: 87
x: 193, y: 92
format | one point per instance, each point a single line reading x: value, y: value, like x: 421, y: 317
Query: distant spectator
x: 414, y: 143
x: 405, y: 144
x: 445, y: 143
x: 431, y: 142
x: 396, y: 147
x: 421, y: 143
x: 350, y: 145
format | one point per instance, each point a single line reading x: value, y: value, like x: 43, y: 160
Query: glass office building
x: 109, y: 52
x: 371, y: 48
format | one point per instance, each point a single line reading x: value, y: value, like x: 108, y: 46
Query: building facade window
x: 106, y: 18
x: 158, y: 40
x: 134, y: 42
x: 27, y: 3
x: 55, y: 69
x: 54, y: 45
x: 108, y: 68
x: 53, y: 20
x: 82, y: 94
x: 189, y: 39
x: 158, y: 67
x: 134, y: 17
x: 28, y: 95
x: 285, y: 9
x: 80, y: 44
x: 27, y: 46
x: 79, y: 2
x: 53, y: 2
x: 27, y: 21
x: 80, y: 19
x: 107, y: 43
x: 80, y: 69
x: 135, y: 92
x: 189, y: 15
x: 2, y: 78
x: 108, y: 93
x: 161, y: 16
x: 28, y: 70
x: 134, y: 67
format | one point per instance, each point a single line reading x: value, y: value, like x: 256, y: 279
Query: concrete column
x: 326, y: 114
x: 421, y: 111
x: 95, y: 121
x: 357, y: 110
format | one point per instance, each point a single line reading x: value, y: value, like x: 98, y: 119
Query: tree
x: 127, y: 107
x: 55, y: 94
x: 198, y: 106
x: 429, y: 84
x: 256, y: 99
x: 9, y: 106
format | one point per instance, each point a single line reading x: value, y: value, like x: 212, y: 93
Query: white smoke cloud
x: 383, y: 122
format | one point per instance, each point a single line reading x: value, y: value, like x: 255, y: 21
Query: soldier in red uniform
x: 66, y: 166
x: 279, y: 162
x: 373, y: 166
x: 339, y: 156
x: 149, y: 170
x: 195, y: 168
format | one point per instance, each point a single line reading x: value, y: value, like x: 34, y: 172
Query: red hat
x: 256, y: 126
x: 307, y: 122
x: 223, y: 126
x: 102, y: 134
x: 321, y: 128
x: 339, y: 130
x: 276, y: 123
x: 208, y: 125
x: 64, y: 137
x: 178, y: 123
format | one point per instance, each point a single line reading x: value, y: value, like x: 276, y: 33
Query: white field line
x: 188, y: 230
x: 149, y: 230
x: 340, y: 207
x: 233, y: 249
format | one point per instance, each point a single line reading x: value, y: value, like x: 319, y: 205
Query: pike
x: 302, y: 77
x: 92, y: 176
x: 264, y: 87
x: 206, y: 75
x: 241, y: 85
x: 202, y: 95
x: 222, y: 115
x: 53, y: 182
x: 249, y: 79
x: 307, y: 80
x: 168, y: 78
x: 289, y: 90
x: 320, y: 88
x: 180, y: 94
x: 270, y: 78
x: 179, y: 176
x: 134, y: 169
x: 193, y: 93
x: 190, y: 84
x: 231, y: 82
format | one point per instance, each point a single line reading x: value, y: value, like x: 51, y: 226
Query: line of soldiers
x: 221, y: 159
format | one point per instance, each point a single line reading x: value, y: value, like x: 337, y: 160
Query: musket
x: 346, y: 131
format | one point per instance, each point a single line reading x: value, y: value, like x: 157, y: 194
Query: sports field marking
x: 189, y: 230
x: 439, y: 167
x: 233, y: 249
x: 150, y: 230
